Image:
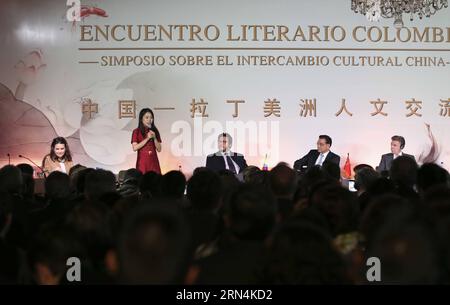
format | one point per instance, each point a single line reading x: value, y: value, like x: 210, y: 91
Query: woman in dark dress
x: 146, y: 140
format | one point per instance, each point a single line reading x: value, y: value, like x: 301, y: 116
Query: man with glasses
x: 318, y: 156
x: 225, y: 158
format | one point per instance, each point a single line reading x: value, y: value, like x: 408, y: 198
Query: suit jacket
x: 386, y: 161
x: 309, y: 160
x: 217, y: 163
x: 50, y: 166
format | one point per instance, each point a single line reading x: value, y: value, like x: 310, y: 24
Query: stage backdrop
x: 275, y: 74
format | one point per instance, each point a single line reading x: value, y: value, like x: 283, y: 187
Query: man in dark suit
x: 318, y: 156
x: 224, y: 158
x: 397, y: 145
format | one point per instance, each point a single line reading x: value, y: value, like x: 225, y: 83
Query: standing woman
x: 59, y: 158
x: 146, y: 140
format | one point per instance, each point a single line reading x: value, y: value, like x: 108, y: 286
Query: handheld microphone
x: 150, y: 127
x: 42, y: 170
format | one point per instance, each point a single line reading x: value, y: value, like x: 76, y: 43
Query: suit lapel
x: 389, y: 160
x: 314, y: 159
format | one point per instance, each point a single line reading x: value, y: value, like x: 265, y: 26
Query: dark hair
x: 153, y: 247
x: 332, y: 170
x: 204, y: 189
x: 57, y: 185
x: 81, y: 180
x: 404, y: 171
x: 99, y: 182
x: 382, y: 210
x: 365, y: 177
x: 326, y: 138
x: 89, y: 222
x: 173, y: 184
x: 362, y: 166
x: 430, y: 174
x: 142, y: 127
x: 283, y: 181
x: 227, y: 135
x: 409, y: 252
x: 399, y: 139
x: 53, y: 246
x: 26, y: 168
x: 251, y: 211
x: 60, y: 140
x: 150, y: 184
x: 11, y: 179
x: 338, y: 205
x: 302, y: 253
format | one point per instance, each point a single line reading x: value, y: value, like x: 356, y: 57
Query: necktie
x: 320, y: 160
x: 230, y: 164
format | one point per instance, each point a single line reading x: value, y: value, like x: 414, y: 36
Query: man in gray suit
x: 397, y: 145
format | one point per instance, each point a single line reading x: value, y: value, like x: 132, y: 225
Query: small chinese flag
x: 347, y: 167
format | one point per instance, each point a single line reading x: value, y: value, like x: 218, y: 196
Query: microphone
x: 150, y: 127
x: 9, y: 158
x: 42, y: 170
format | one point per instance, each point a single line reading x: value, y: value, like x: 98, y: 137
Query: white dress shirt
x: 323, y: 158
x: 224, y: 154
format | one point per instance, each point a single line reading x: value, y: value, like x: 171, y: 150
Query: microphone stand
x: 42, y: 170
x: 9, y: 159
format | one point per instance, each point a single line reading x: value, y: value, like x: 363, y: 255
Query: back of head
x: 57, y: 185
x: 99, y: 182
x: 431, y: 174
x: 251, y: 213
x: 359, y: 167
x: 89, y: 221
x: 365, y: 177
x: 301, y: 253
x: 76, y: 169
x: 26, y: 168
x: 385, y: 209
x: 51, y: 249
x: 404, y: 171
x: 132, y: 174
x: 173, y: 184
x: 151, y: 184
x: 153, y: 247
x: 128, y: 182
x: 261, y: 178
x: 248, y: 172
x: 204, y: 190
x: 408, y: 253
x: 338, y: 205
x: 283, y: 181
x: 11, y: 179
x: 332, y: 170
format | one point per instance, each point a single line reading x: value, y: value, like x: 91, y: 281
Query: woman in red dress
x: 146, y: 140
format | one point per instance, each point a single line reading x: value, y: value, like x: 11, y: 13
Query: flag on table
x: 348, y: 168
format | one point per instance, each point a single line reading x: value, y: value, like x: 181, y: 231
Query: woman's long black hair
x: 153, y: 128
x: 60, y: 140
